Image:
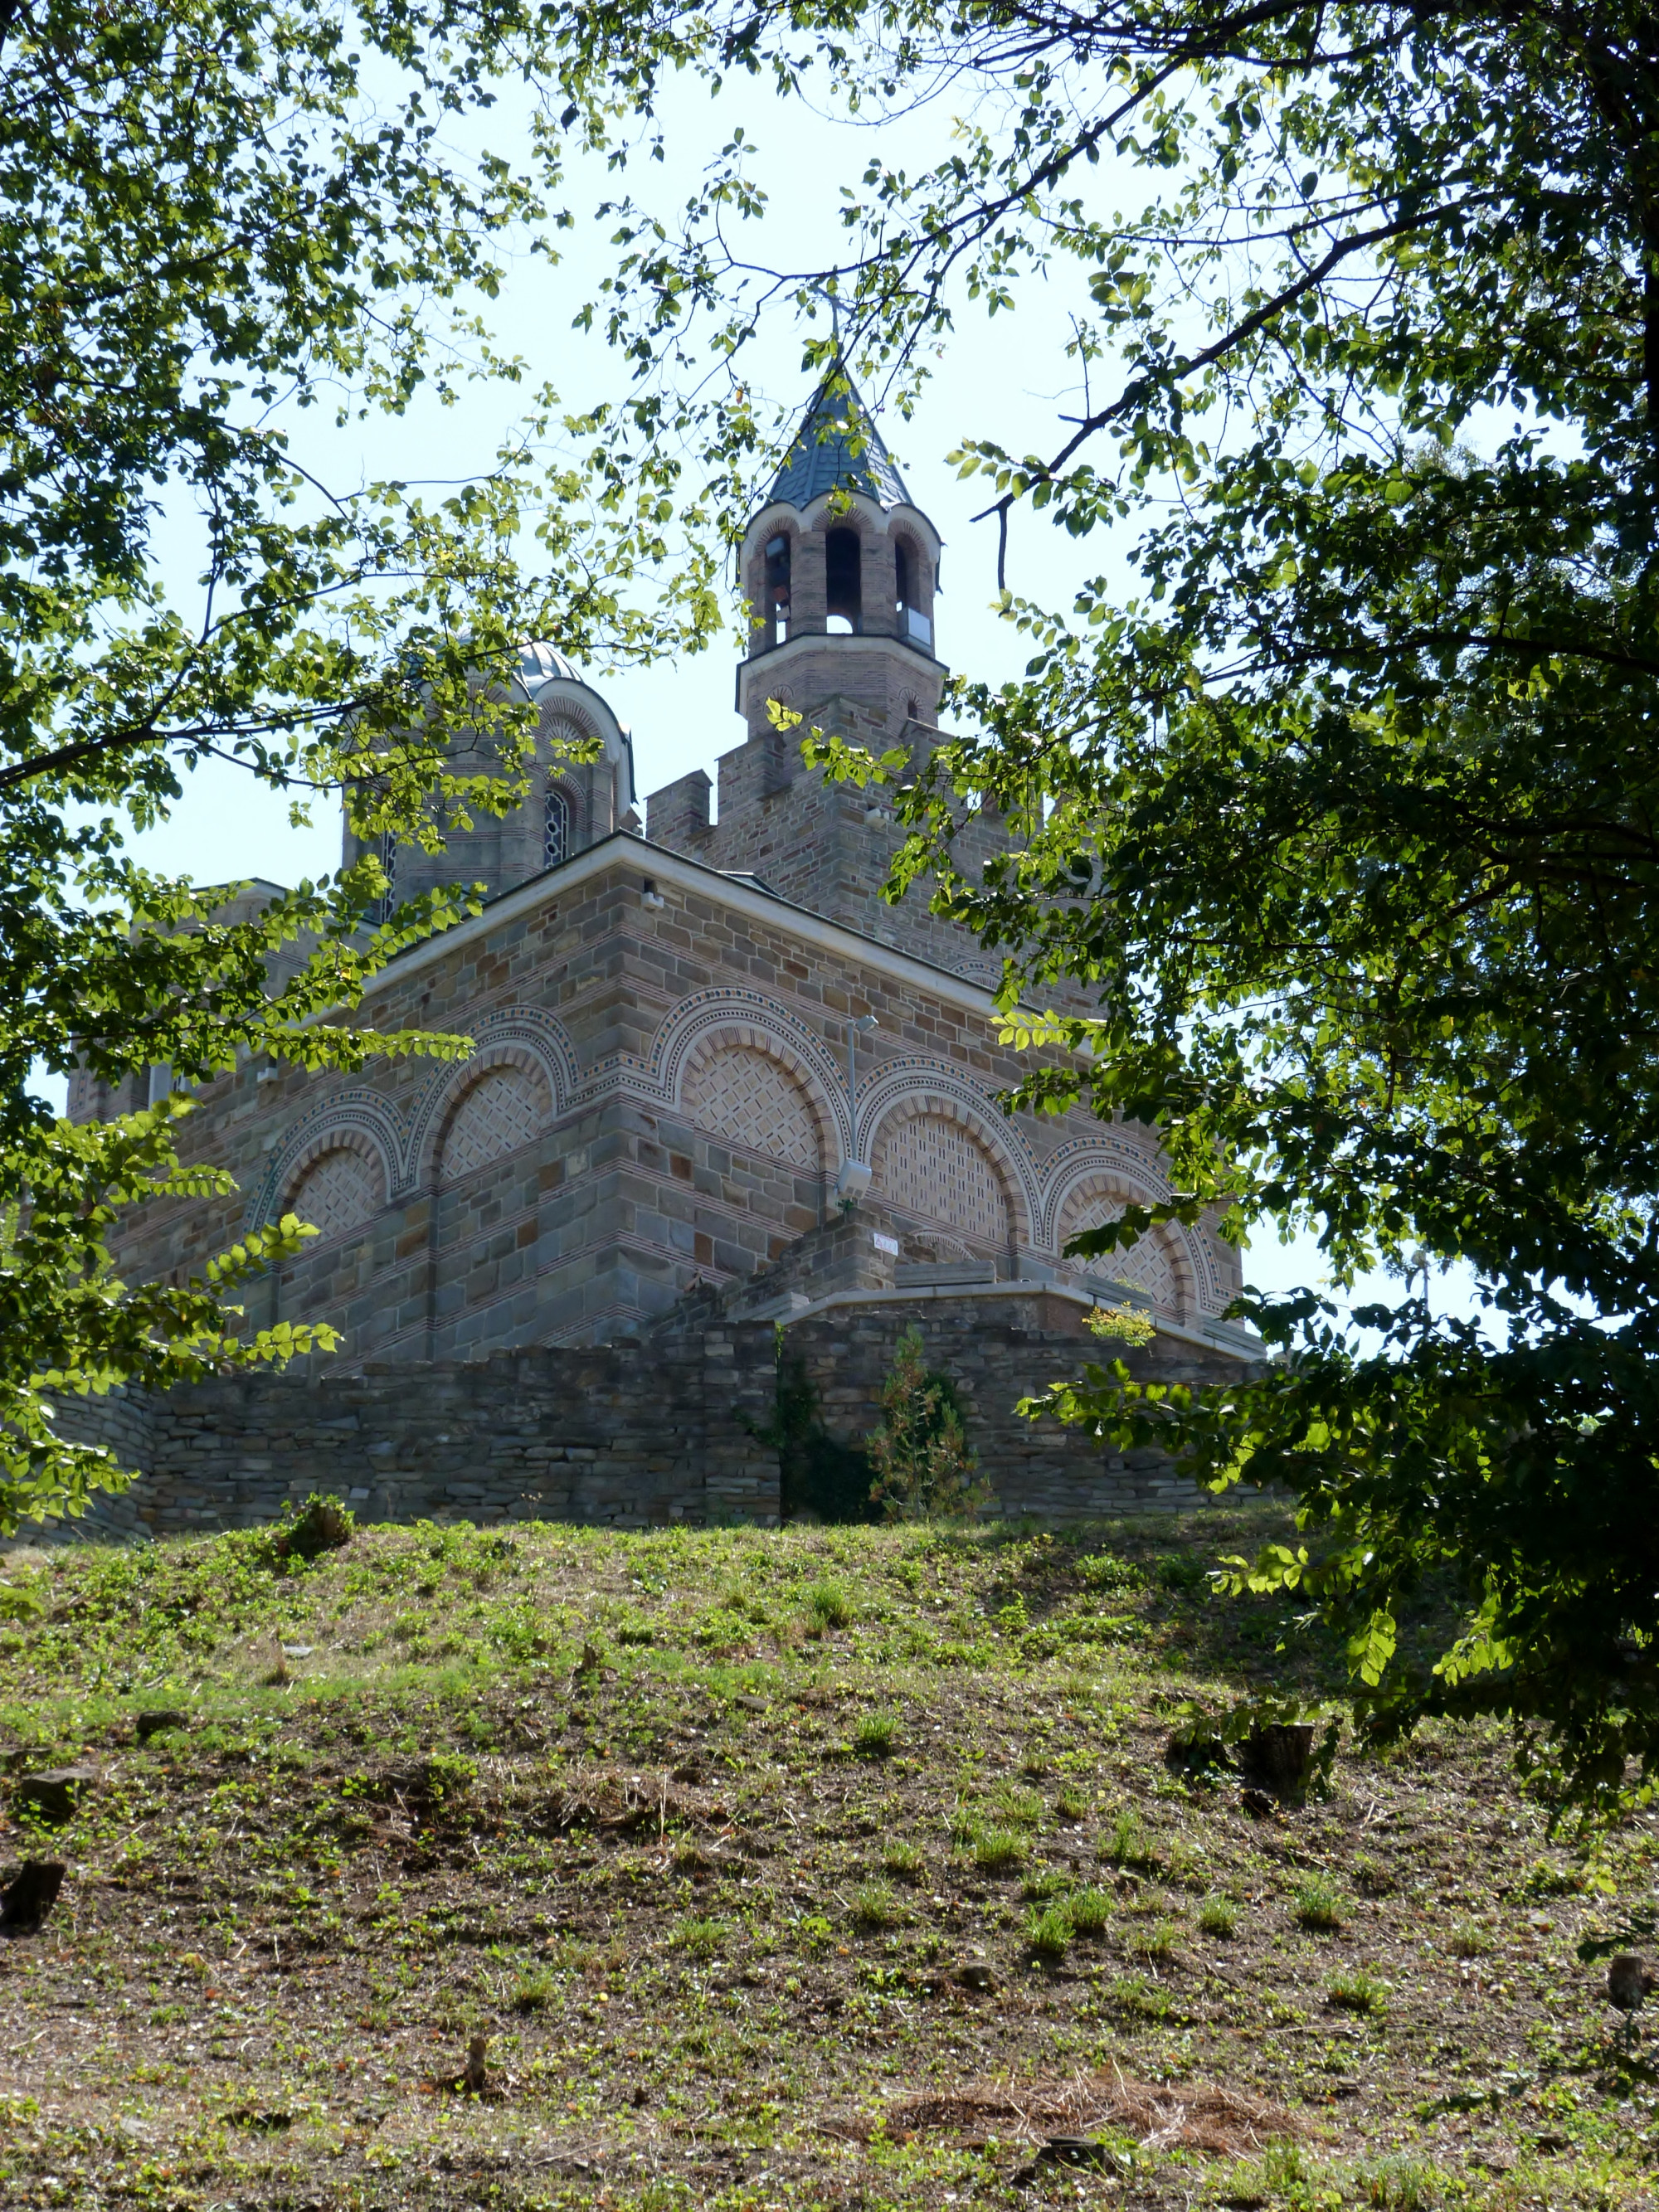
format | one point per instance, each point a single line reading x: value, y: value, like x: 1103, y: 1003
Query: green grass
x: 1126, y: 1842
x: 998, y: 1851
x: 876, y: 1735
x: 698, y: 1937
x: 829, y: 1604
x: 875, y: 1906
x: 1217, y: 1915
x: 1317, y: 1904
x: 903, y: 1861
x: 699, y: 1931
x: 1468, y: 1940
x: 1357, y: 1990
x: 1092, y: 1910
x: 1048, y: 1929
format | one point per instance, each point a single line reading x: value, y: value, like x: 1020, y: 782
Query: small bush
x: 1034, y: 1767
x: 1044, y: 1882
x: 1091, y: 1911
x: 1072, y: 1805
x: 1102, y: 1571
x: 321, y: 1524
x: 996, y: 1849
x: 1125, y: 1843
x: 874, y: 1905
x: 829, y: 1606
x: 700, y: 1939
x: 1468, y: 1940
x: 904, y: 1861
x: 1179, y: 1573
x: 1048, y: 1929
x: 1317, y: 1903
x: 1358, y: 1991
x: 1217, y: 1915
x: 876, y: 1735
x: 534, y: 1992
x: 925, y: 1467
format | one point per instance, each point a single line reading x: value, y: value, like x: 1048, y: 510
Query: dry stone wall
x: 632, y: 1435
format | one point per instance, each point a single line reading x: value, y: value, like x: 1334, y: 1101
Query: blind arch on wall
x: 498, y: 1114
x: 747, y: 1097
x: 1157, y: 1262
x: 930, y: 1165
x: 339, y: 1191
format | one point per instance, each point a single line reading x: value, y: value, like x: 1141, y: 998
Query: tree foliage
x: 924, y: 1467
x: 217, y: 219
x: 1336, y: 822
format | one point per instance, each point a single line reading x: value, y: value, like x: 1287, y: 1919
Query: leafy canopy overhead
x: 1338, y: 818
x: 219, y: 218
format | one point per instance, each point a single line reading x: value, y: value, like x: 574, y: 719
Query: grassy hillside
x: 822, y: 1868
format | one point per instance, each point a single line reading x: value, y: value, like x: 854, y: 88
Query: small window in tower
x: 912, y: 622
x: 843, y: 582
x: 387, y: 905
x: 556, y: 839
x: 775, y: 612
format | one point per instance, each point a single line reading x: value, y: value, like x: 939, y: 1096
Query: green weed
x: 875, y: 1906
x: 1358, y: 1991
x: 829, y: 1606
x: 1091, y: 1911
x: 904, y: 1861
x: 1048, y: 1929
x: 876, y: 1735
x: 1217, y: 1915
x: 1317, y: 1903
x: 997, y: 1849
x: 1127, y: 1843
x: 699, y: 1939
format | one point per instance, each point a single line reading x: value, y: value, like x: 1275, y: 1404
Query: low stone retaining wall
x: 629, y: 1435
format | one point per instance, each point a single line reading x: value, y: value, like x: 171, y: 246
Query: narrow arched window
x: 776, y: 611
x: 843, y: 579
x: 388, y: 902
x: 555, y: 836
x: 913, y: 622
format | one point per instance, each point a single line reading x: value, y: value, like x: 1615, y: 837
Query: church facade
x: 702, y: 1042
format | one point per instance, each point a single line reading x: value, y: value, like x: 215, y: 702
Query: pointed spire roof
x: 822, y: 456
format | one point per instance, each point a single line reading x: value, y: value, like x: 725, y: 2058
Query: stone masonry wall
x: 632, y: 1435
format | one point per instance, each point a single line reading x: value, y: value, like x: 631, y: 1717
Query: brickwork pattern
x: 932, y: 1167
x: 1149, y: 1263
x: 502, y: 1112
x: 337, y: 1195
x: 744, y: 1096
x: 627, y: 1435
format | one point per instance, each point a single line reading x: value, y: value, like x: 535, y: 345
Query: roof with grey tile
x: 837, y: 445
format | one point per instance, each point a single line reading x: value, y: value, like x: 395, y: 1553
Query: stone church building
x: 717, y: 1081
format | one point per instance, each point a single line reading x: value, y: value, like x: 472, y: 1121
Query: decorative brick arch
x: 338, y: 1182
x: 495, y: 1109
x: 522, y: 1038
x: 1160, y: 1261
x: 911, y: 1087
x: 922, y: 1134
x: 741, y: 1084
x: 744, y: 1018
x: 356, y: 1120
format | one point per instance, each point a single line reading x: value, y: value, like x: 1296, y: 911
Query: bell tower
x: 840, y: 572
x: 840, y: 569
